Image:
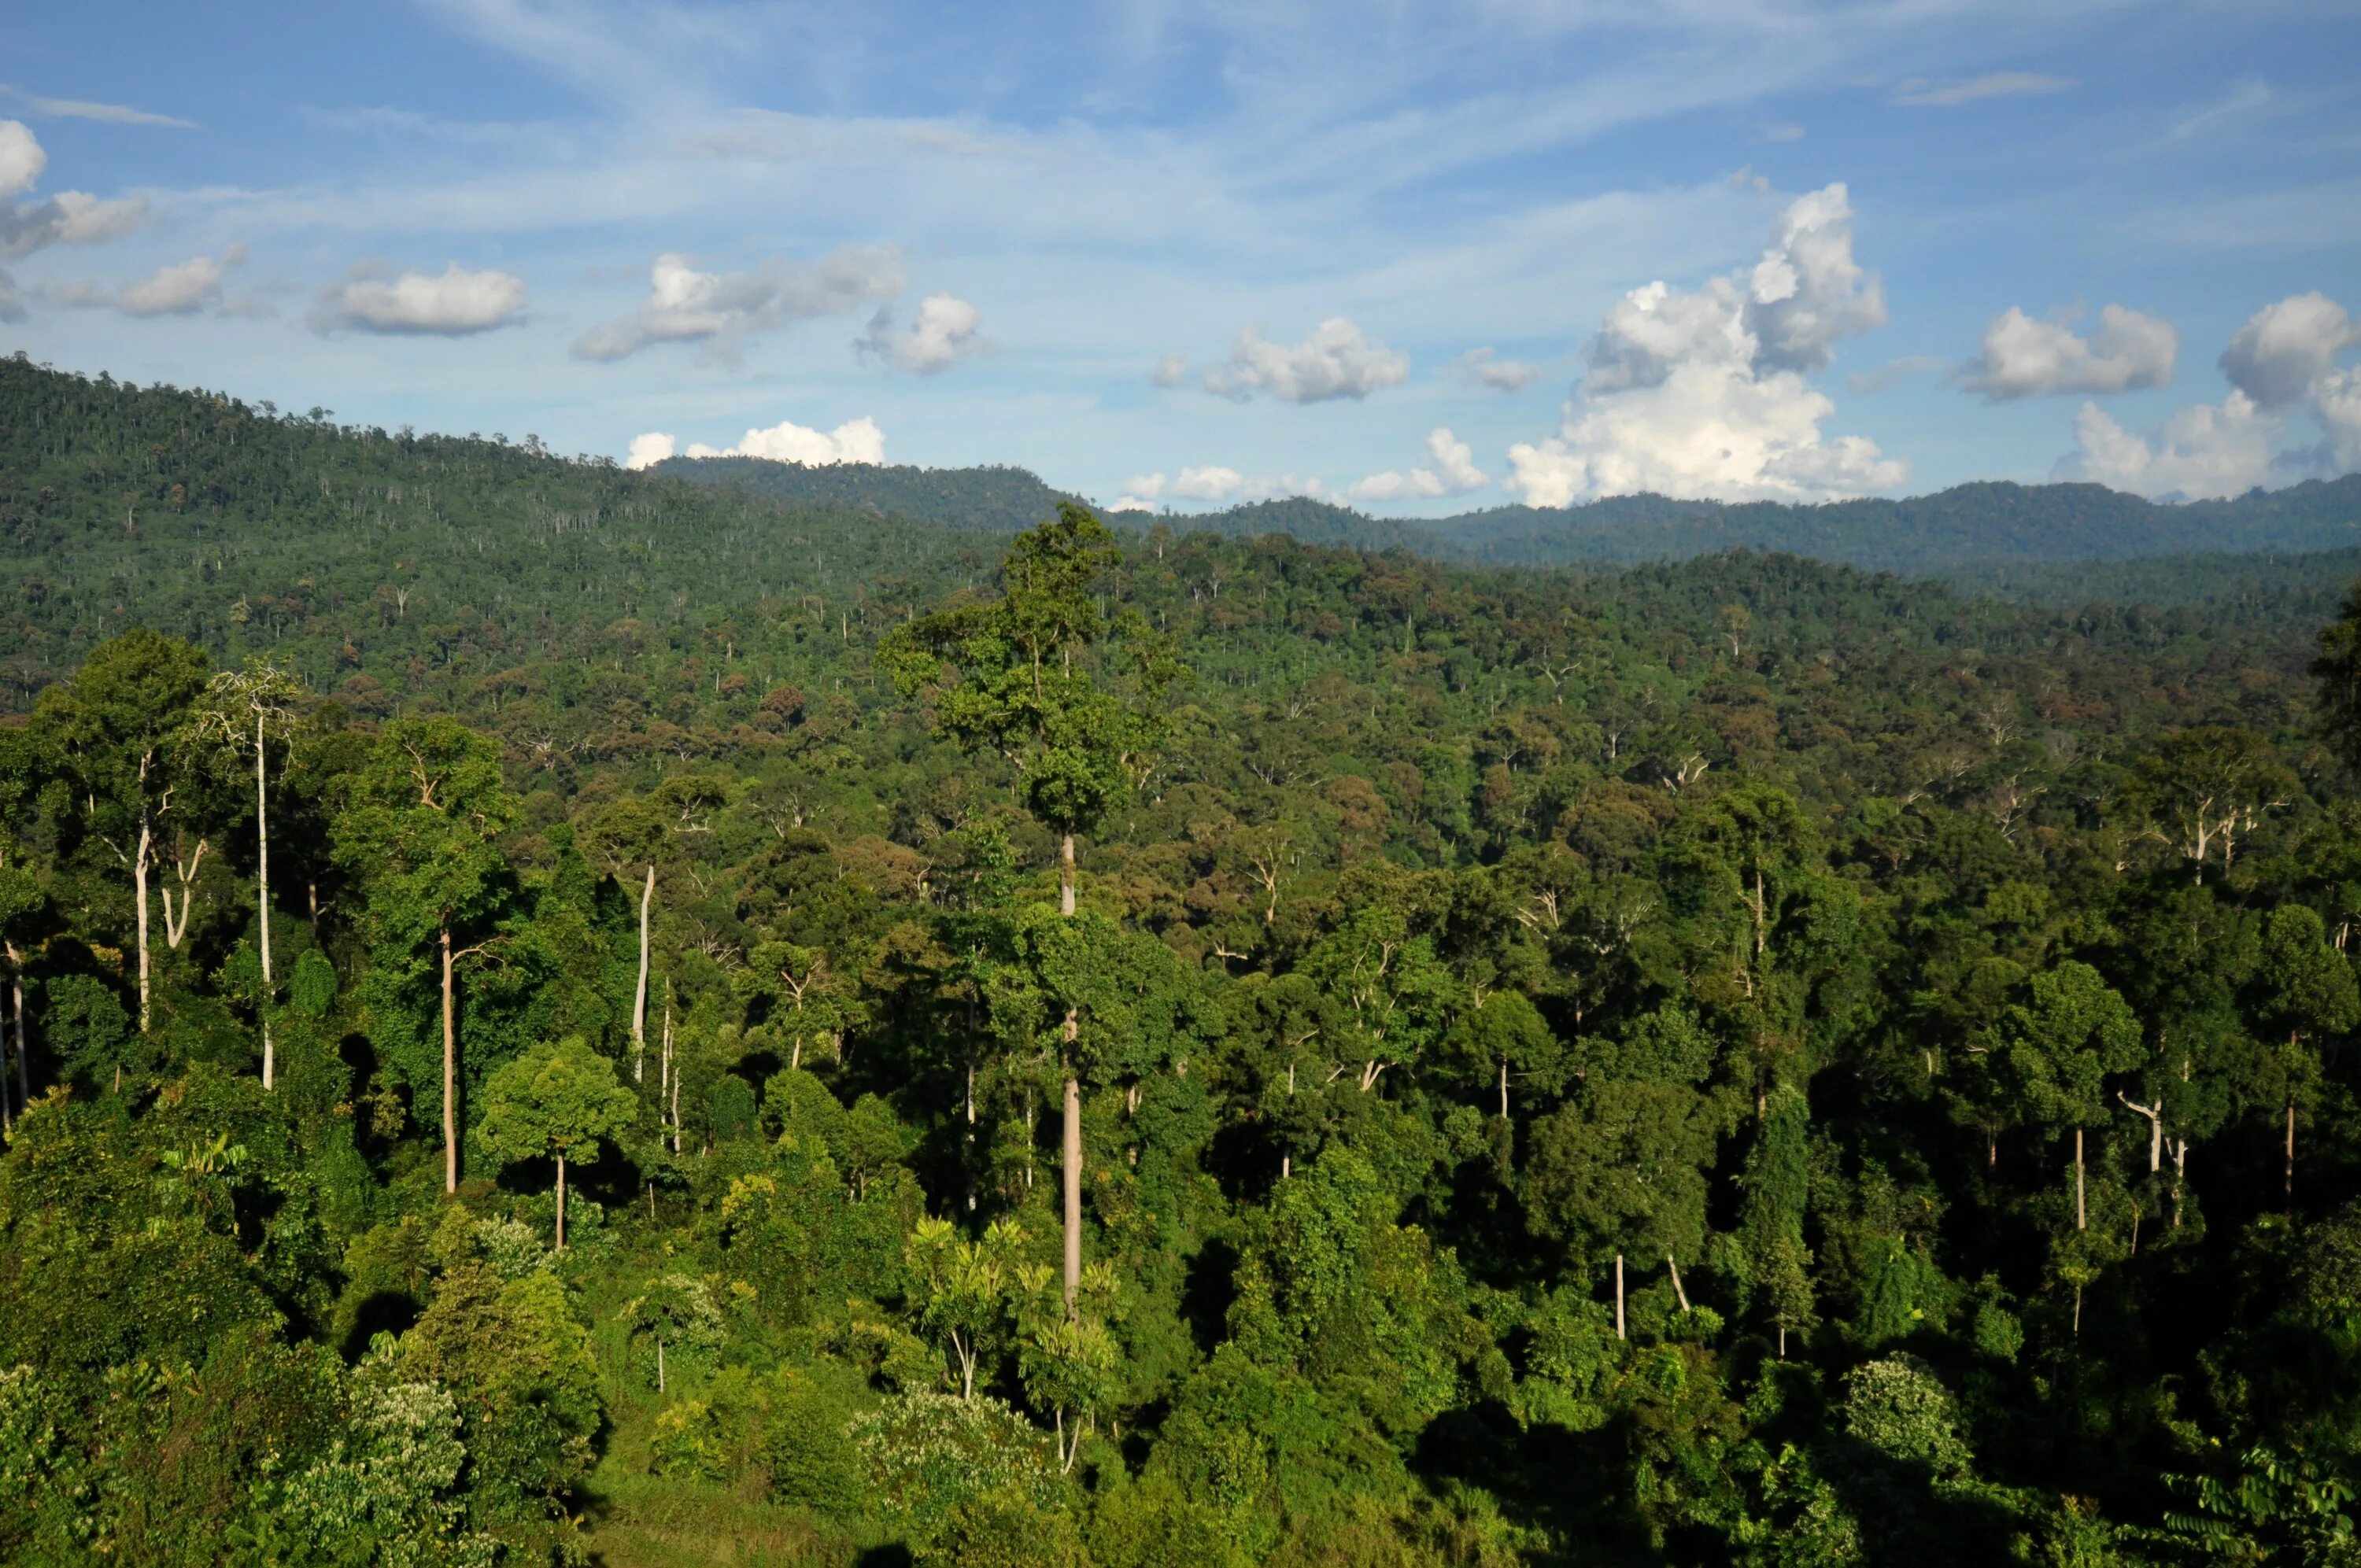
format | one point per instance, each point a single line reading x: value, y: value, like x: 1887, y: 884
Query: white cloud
x: 1807, y: 292
x: 70, y: 217
x: 1335, y: 361
x: 1700, y: 394
x: 182, y: 289
x: 2200, y: 452
x: 2336, y: 400
x: 1783, y: 133
x: 104, y: 114
x: 943, y: 334
x: 21, y: 159
x: 455, y: 303
x: 724, y: 309
x: 1211, y: 482
x: 1864, y: 382
x: 2027, y: 358
x: 1171, y: 370
x: 1500, y: 375
x: 2286, y: 347
x: 647, y: 450
x: 855, y: 441
x: 1454, y: 473
x: 1921, y: 93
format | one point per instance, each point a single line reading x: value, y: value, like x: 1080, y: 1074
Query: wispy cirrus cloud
x: 1919, y: 93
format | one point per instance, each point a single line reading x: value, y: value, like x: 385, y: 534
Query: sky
x: 1420, y: 258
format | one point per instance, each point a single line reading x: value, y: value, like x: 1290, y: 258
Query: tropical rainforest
x: 560, y: 1015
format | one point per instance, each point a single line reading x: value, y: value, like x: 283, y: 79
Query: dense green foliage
x: 1965, y: 530
x: 1730, y: 1062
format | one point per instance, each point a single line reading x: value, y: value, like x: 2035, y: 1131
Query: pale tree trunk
x: 23, y: 1040
x: 640, y: 996
x: 139, y: 886
x: 1618, y: 1295
x: 2179, y: 1172
x: 2290, y: 1184
x: 561, y: 1202
x: 1073, y: 1138
x: 2155, y: 1114
x: 450, y: 1071
x: 1073, y: 1184
x: 2081, y: 1210
x: 1504, y: 1088
x: 660, y: 1366
x: 262, y: 896
x: 1678, y: 1294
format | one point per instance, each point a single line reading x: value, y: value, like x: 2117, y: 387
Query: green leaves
x: 559, y: 1101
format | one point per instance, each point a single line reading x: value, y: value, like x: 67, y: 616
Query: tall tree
x: 1012, y: 677
x: 122, y: 727
x: 420, y: 827
x: 2069, y: 1034
x: 2306, y: 990
x: 244, y: 710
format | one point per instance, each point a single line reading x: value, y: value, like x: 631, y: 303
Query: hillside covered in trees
x: 1962, y: 533
x: 558, y: 1016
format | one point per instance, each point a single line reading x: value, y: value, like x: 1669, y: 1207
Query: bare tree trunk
x: 2179, y: 1169
x: 139, y: 886
x: 23, y: 1040
x: 1678, y: 1294
x: 450, y: 1071
x: 1504, y: 1088
x: 640, y: 996
x: 2081, y: 1210
x: 561, y: 1202
x: 262, y: 896
x: 1072, y: 1141
x: 1073, y: 1173
x: 2290, y: 1188
x: 660, y: 1366
x: 1618, y: 1295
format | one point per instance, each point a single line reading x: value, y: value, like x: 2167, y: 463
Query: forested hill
x: 1968, y: 526
x: 560, y: 1016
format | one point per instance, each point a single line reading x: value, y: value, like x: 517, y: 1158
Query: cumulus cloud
x: 1336, y: 361
x: 1700, y: 394
x: 1501, y: 375
x: 2201, y: 451
x: 943, y: 334
x: 70, y: 217
x: 2281, y: 363
x: 855, y: 441
x: 455, y: 303
x: 1918, y: 93
x: 1211, y: 482
x: 182, y: 289
x: 1454, y: 473
x: 2286, y: 347
x: 1171, y: 370
x: 2027, y: 358
x: 725, y: 309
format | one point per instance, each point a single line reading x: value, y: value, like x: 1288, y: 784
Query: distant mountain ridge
x: 1981, y: 524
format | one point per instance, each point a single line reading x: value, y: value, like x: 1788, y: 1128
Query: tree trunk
x: 1072, y: 1172
x: 1504, y: 1088
x: 2081, y: 1210
x: 660, y: 1366
x: 2179, y: 1168
x: 640, y: 996
x: 2290, y: 1187
x: 262, y: 896
x: 1065, y: 874
x: 1678, y: 1294
x: 139, y: 886
x: 23, y: 1040
x: 450, y: 1071
x: 561, y: 1202
x: 1618, y: 1295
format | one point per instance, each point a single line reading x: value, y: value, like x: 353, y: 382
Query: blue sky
x: 1188, y: 253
